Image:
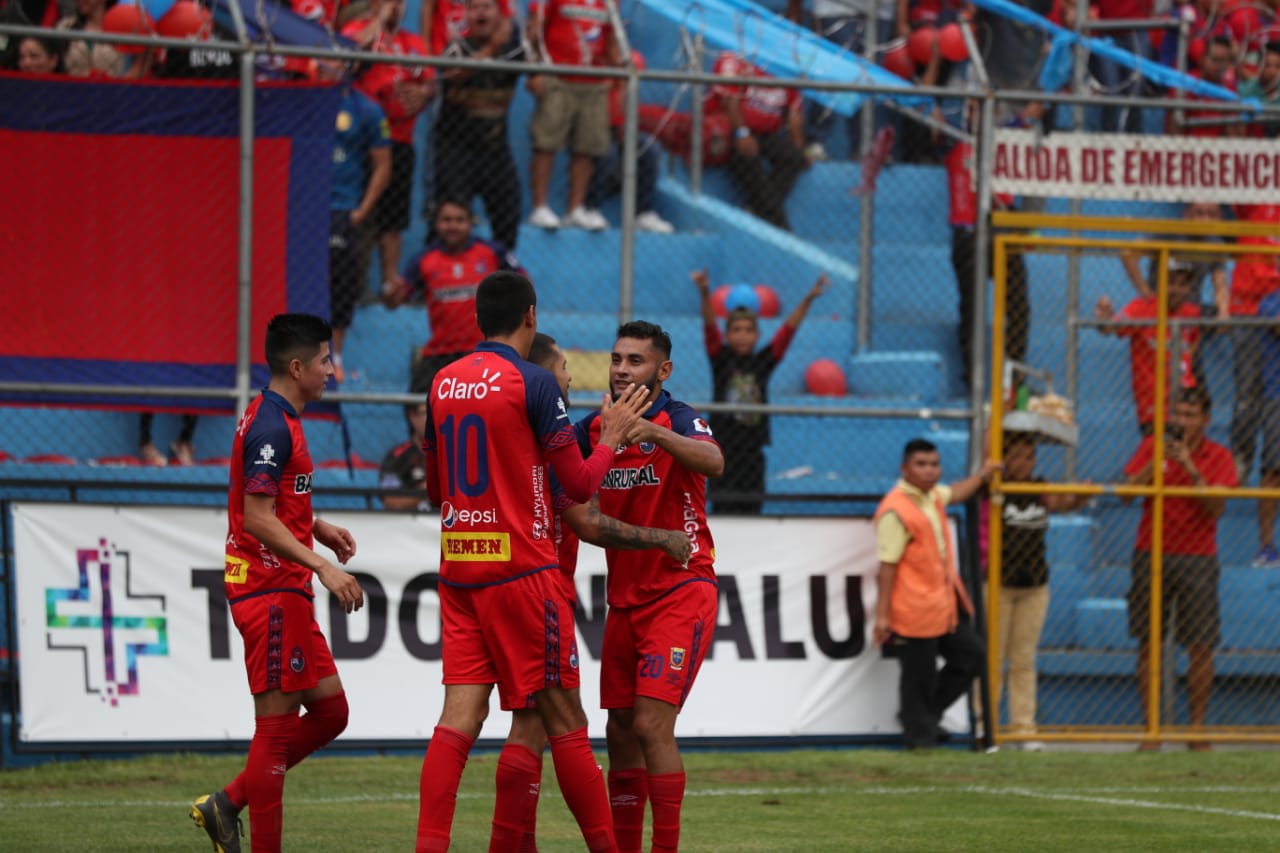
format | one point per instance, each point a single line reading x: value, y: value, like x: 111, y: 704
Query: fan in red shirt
x: 1189, y: 550
x: 1142, y: 339
x: 403, y: 92
x: 448, y: 271
x: 1215, y: 67
x: 1251, y: 26
x: 768, y: 137
x: 444, y: 21
x: 571, y: 110
x: 1253, y: 279
x: 962, y: 215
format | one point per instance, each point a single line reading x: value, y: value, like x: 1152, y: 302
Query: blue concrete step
x: 915, y: 377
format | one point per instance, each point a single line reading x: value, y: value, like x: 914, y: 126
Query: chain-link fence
x: 162, y: 222
x: 1147, y: 449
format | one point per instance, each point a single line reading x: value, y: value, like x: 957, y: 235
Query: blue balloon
x: 157, y: 8
x: 742, y: 296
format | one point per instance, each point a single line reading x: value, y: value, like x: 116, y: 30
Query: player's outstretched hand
x: 343, y: 585
x: 678, y: 547
x: 617, y: 417
x: 337, y: 539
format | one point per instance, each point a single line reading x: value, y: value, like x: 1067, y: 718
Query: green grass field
x: 806, y: 800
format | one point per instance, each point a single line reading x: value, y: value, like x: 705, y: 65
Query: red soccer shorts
x: 656, y: 649
x: 518, y: 635
x: 283, y: 647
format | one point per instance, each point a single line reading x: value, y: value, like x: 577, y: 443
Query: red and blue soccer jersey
x: 566, y: 540
x: 493, y: 418
x: 268, y: 457
x: 647, y: 487
x: 449, y: 280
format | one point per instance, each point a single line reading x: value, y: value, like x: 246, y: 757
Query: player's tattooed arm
x: 602, y: 530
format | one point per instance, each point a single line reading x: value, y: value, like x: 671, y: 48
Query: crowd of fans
x: 768, y: 135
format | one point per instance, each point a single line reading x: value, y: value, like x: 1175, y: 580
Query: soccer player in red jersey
x: 519, y: 774
x: 269, y: 565
x: 496, y: 421
x: 662, y: 613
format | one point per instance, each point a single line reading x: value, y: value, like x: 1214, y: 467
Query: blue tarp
x: 283, y: 25
x: 1154, y: 71
x: 786, y: 49
x: 783, y: 48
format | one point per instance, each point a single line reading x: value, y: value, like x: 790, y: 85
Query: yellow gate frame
x: 1027, y: 234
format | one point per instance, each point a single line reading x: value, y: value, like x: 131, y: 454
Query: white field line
x: 1094, y: 797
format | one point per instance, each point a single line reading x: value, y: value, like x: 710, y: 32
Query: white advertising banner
x: 124, y: 634
x: 1136, y: 167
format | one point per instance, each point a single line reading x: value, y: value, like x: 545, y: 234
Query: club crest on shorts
x: 297, y: 660
x: 677, y: 658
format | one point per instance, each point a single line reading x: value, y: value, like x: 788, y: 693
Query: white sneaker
x: 653, y: 223
x: 816, y: 152
x: 544, y: 217
x: 586, y: 219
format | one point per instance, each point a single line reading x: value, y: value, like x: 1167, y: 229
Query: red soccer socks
x: 264, y: 779
x: 582, y: 785
x: 628, y: 792
x: 666, y: 793
x: 325, y: 719
x: 515, y: 812
x: 438, y: 787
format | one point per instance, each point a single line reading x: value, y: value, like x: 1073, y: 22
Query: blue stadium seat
x: 916, y: 377
x: 1103, y: 623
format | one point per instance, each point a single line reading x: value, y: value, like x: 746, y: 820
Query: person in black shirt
x: 741, y: 375
x: 1024, y: 579
x: 404, y: 466
x: 473, y: 156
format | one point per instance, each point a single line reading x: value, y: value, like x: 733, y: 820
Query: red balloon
x: 770, y: 304
x: 184, y: 19
x: 897, y: 61
x: 718, y: 297
x: 1195, y: 52
x: 920, y: 45
x: 127, y: 19
x: 951, y: 43
x: 825, y: 378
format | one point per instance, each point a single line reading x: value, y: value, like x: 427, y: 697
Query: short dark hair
x: 645, y: 331
x: 542, y: 349
x: 291, y: 336
x: 455, y: 200
x: 1013, y: 439
x: 502, y: 300
x: 1271, y: 47
x: 1222, y: 41
x: 742, y: 312
x: 1196, y: 396
x: 56, y: 48
x: 918, y: 445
